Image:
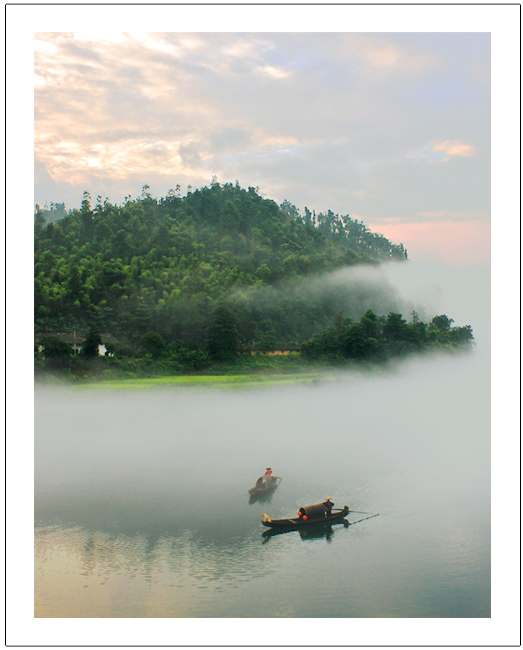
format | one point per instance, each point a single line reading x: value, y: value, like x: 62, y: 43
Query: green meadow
x: 204, y: 381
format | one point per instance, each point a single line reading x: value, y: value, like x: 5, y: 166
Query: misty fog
x: 430, y: 289
x: 410, y: 442
x: 427, y: 414
x: 427, y: 418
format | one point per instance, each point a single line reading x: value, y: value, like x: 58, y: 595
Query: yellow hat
x: 328, y: 499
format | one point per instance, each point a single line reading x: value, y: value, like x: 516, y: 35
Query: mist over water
x: 141, y: 503
x: 461, y: 292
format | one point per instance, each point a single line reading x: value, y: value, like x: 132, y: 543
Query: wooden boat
x: 314, y: 515
x: 316, y: 531
x: 263, y: 488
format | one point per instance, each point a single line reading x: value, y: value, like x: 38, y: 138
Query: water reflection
x: 315, y: 531
x: 94, y: 559
x: 262, y: 497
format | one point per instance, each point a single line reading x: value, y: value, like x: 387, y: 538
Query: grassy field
x: 234, y: 374
x: 205, y: 381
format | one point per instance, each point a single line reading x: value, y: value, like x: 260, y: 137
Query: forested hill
x: 164, y: 265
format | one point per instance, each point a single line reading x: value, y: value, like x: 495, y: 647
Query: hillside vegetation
x: 196, y: 278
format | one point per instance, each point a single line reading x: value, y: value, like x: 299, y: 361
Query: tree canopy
x: 165, y: 265
x: 378, y: 338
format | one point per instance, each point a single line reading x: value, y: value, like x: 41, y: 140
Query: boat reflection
x: 315, y: 531
x: 262, y: 497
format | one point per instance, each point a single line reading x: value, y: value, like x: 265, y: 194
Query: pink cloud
x: 454, y: 148
x: 459, y: 242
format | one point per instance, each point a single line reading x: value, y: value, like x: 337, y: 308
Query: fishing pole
x: 351, y: 523
x: 361, y: 512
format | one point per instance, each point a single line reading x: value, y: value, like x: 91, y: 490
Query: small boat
x: 264, y: 487
x: 308, y: 516
x: 316, y: 531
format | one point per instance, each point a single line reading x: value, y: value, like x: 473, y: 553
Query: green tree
x: 442, y: 323
x: 53, y: 347
x: 39, y: 222
x: 92, y: 342
x: 461, y: 335
x: 222, y: 335
x: 395, y: 327
x: 268, y: 340
x: 370, y: 323
x: 355, y: 342
x: 153, y: 343
x: 86, y: 215
x: 416, y: 331
x: 230, y: 220
x: 439, y: 329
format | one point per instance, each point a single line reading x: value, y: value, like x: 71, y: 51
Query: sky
x: 390, y: 128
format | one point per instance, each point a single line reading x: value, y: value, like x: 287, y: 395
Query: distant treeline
x: 374, y: 339
x: 50, y: 213
x: 168, y: 265
x: 379, y: 338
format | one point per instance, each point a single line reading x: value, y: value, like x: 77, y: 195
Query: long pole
x: 351, y: 523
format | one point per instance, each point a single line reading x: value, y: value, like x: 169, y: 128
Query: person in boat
x: 327, y: 504
x: 268, y: 477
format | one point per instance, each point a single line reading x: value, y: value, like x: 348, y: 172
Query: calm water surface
x: 142, y: 510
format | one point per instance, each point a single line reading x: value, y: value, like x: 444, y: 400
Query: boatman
x: 327, y: 504
x: 267, y: 477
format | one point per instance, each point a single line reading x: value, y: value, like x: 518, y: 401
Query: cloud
x: 443, y: 151
x: 390, y: 54
x: 241, y: 49
x: 454, y: 148
x: 190, y: 154
x: 348, y: 122
x: 273, y: 72
x: 230, y: 139
x: 383, y: 57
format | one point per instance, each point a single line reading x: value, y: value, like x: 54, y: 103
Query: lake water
x: 142, y: 509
